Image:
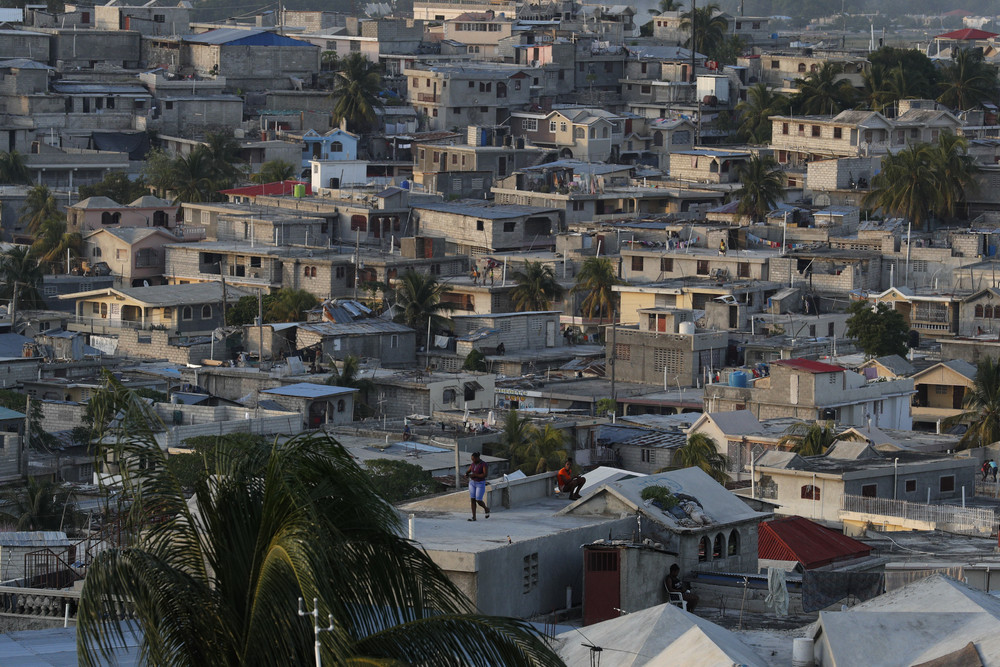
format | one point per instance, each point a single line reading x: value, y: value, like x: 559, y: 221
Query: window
x: 718, y: 546
x: 552, y: 126
x: 815, y: 130
x: 667, y: 264
x: 96, y: 252
x: 529, y: 573
x: 393, y: 341
x: 941, y: 390
x: 702, y: 268
x: 784, y: 128
x: 869, y: 490
x: 159, y: 18
x: 810, y: 492
x: 947, y: 484
x: 187, y: 313
x: 579, y: 205
x: 623, y: 351
x: 341, y: 272
x: 168, y: 105
x: 305, y: 271
x: 206, y: 312
x: 645, y: 90
x: 647, y: 455
x: 910, y: 486
x: 829, y: 329
x: 979, y: 308
x: 733, y: 544
x: 579, y: 133
x: 509, y: 226
x: 529, y: 124
x: 802, y: 68
x: 562, y: 127
x: 341, y: 405
x: 743, y: 270
x: 336, y: 147
x: 636, y: 263
x: 448, y: 396
x: 704, y: 548
x: 359, y: 223
x: 480, y: 225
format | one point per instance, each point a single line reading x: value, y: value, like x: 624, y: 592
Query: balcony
x: 428, y: 97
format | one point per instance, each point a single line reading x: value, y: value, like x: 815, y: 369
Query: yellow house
x: 941, y: 391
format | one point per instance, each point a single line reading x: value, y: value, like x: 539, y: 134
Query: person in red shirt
x: 568, y: 482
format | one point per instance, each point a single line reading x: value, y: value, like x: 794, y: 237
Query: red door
x: 601, y: 585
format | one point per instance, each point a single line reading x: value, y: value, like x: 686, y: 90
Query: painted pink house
x: 134, y: 254
x: 147, y: 211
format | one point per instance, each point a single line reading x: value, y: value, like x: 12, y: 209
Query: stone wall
x: 161, y: 345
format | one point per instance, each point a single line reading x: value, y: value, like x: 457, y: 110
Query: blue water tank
x: 738, y: 379
x: 405, y: 185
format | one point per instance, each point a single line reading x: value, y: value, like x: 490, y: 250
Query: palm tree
x: 701, y: 451
x: 955, y: 173
x: 876, y: 89
x: 52, y: 244
x: 543, y: 450
x: 20, y: 270
x: 597, y: 280
x: 810, y: 439
x: 762, y: 187
x: 349, y: 375
x: 418, y: 297
x: 669, y: 6
x: 39, y: 207
x: 223, y: 152
x: 218, y: 581
x: 982, y: 407
x: 967, y: 80
x: 907, y: 186
x: 37, y: 504
x: 356, y: 88
x: 824, y: 91
x: 708, y: 26
x: 275, y: 171
x: 290, y: 305
x: 536, y: 287
x: 516, y: 431
x: 755, y: 112
x: 194, y: 177
x: 906, y: 84
x: 13, y: 170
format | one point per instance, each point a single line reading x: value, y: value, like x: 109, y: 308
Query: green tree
x: 670, y: 6
x: 967, y: 81
x: 905, y: 84
x: 475, y: 361
x: 909, y: 184
x: 755, y: 112
x: 349, y: 374
x: 543, y: 449
x: 605, y: 406
x: 810, y: 439
x: 418, y: 298
x: 982, y: 407
x: 189, y: 468
x: 194, y: 178
x: 517, y: 429
x: 52, y: 243
x: 356, y: 90
x: 878, y: 331
x: 223, y: 151
x: 116, y: 186
x: 762, y: 187
x: 701, y: 451
x: 40, y: 206
x: 38, y: 504
x: 536, y: 287
x: 824, y: 91
x: 245, y: 310
x: 290, y: 305
x: 920, y: 70
x: 275, y: 171
x: 21, y: 278
x: 158, y: 171
x: 707, y: 27
x: 13, y: 170
x: 876, y: 91
x: 398, y: 480
x: 597, y: 279
x: 955, y: 170
x: 217, y: 581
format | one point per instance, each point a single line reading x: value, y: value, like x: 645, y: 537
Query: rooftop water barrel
x: 738, y: 379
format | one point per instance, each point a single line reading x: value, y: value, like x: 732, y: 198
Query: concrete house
x: 488, y: 227
x: 189, y: 309
x: 149, y: 19
x: 134, y: 254
x: 101, y: 212
x: 926, y: 311
x: 519, y: 333
x: 814, y: 487
x: 337, y: 144
x: 462, y: 95
x: 813, y: 390
x: 584, y: 133
x: 478, y: 33
x: 706, y: 165
x: 940, y: 392
x: 318, y: 404
x: 665, y: 348
x: 418, y: 393
x: 979, y: 313
x: 367, y: 337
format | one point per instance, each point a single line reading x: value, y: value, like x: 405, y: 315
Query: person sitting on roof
x: 568, y: 482
x: 673, y: 584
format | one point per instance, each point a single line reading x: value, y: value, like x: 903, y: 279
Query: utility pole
x: 316, y: 629
x: 13, y: 308
x: 260, y: 326
x: 614, y: 356
x: 225, y: 300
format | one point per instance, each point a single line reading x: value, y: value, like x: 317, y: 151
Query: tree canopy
x: 982, y: 407
x: 878, y: 331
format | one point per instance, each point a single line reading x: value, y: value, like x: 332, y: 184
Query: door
x: 601, y: 585
x: 550, y: 334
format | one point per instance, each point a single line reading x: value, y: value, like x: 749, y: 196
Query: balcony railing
x: 428, y: 97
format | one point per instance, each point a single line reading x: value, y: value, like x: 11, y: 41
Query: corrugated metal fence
x: 963, y: 520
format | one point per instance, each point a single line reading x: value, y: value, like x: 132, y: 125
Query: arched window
x: 305, y: 272
x: 719, y: 546
x: 579, y: 133
x: 336, y: 147
x: 704, y: 548
x: 988, y: 312
x: 979, y: 310
x: 206, y: 312
x: 802, y: 67
x: 810, y: 492
x: 187, y: 313
x: 117, y: 217
x: 604, y: 133
x: 96, y: 252
x: 107, y: 218
x: 657, y: 138
x: 734, y: 543
x: 341, y: 405
x: 312, y: 272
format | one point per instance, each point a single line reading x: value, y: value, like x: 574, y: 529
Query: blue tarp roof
x: 308, y: 390
x: 238, y: 37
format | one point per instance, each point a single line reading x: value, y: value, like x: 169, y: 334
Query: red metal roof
x: 809, y: 365
x: 967, y: 33
x: 278, y: 188
x: 797, y: 539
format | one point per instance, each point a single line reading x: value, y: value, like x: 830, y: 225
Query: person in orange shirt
x: 568, y: 482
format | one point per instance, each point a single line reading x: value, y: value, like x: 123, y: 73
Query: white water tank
x: 802, y: 652
x: 686, y: 328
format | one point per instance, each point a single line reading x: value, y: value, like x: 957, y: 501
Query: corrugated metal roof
x: 239, y: 37
x: 371, y: 325
x: 809, y: 365
x: 7, y: 413
x: 797, y: 539
x: 308, y: 390
x: 33, y: 538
